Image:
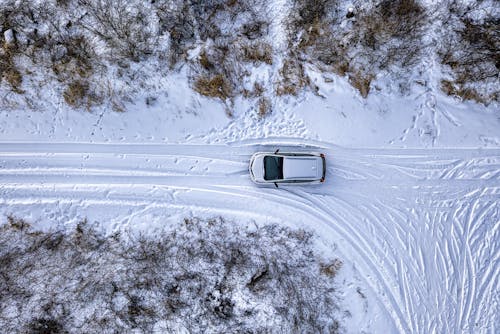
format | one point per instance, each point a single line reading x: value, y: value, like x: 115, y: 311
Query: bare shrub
x: 17, y: 224
x: 255, y: 28
x: 216, y: 86
x: 68, y: 55
x: 472, y: 53
x: 292, y: 78
x: 79, y: 94
x: 45, y: 326
x: 199, y: 276
x: 125, y: 28
x: 61, y: 38
x: 332, y: 268
x: 73, y: 56
x: 361, y: 82
x: 264, y: 107
x: 178, y: 20
x: 381, y: 36
x: 257, y: 52
x: 8, y: 68
x: 79, y: 42
x: 308, y: 13
x: 233, y: 35
x: 14, y: 78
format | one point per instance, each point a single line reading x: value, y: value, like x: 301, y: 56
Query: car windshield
x: 273, y: 168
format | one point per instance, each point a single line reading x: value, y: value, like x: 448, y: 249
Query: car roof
x: 300, y: 167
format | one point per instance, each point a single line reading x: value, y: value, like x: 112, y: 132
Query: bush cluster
x: 208, y: 276
x: 471, y: 53
x: 82, y: 44
x: 379, y: 36
x: 97, y: 51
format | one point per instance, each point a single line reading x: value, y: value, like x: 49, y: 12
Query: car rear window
x: 273, y: 168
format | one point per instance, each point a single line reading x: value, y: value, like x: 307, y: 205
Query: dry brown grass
x: 257, y: 91
x: 79, y: 59
x: 361, y: 82
x: 220, y: 68
x: 204, y: 61
x: 292, y: 78
x: 331, y: 269
x: 14, y: 78
x: 75, y: 93
x: 216, y: 86
x: 260, y: 52
x: 8, y: 69
x: 452, y: 88
x: 264, y: 107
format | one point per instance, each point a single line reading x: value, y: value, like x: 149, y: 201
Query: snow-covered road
x: 420, y: 226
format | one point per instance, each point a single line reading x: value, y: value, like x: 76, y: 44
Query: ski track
x: 421, y: 225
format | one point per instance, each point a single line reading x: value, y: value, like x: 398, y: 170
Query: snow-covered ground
x: 414, y: 218
x: 410, y: 203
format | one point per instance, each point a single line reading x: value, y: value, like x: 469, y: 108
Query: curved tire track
x: 413, y: 220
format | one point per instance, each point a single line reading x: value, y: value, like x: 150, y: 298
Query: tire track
x: 411, y: 220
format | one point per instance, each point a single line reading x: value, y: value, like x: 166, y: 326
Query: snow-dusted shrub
x: 114, y: 47
x: 127, y: 28
x: 65, y: 43
x: 471, y: 51
x: 49, y: 48
x: 256, y: 52
x: 176, y: 19
x: 234, y: 40
x: 380, y: 36
x: 215, y: 86
x: 264, y: 107
x: 8, y: 68
x: 307, y: 13
x: 292, y: 78
x: 208, y: 276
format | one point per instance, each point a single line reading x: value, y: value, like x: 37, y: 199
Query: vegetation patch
x: 379, y: 36
x: 77, y: 94
x: 200, y: 276
x: 264, y: 106
x: 292, y: 78
x: 257, y: 53
x: 233, y: 35
x: 216, y: 86
x: 472, y: 54
x: 8, y: 69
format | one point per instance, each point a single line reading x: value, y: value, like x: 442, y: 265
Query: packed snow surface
x: 419, y: 226
x: 410, y: 203
x: 410, y: 199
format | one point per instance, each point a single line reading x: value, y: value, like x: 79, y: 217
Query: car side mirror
x: 276, y: 152
x: 275, y: 184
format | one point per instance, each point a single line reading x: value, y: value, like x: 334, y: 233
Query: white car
x: 287, y: 168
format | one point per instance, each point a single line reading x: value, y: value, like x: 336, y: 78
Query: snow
x: 415, y: 225
x: 410, y: 201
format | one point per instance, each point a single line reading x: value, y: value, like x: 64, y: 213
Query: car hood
x: 257, y: 168
x: 302, y: 168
